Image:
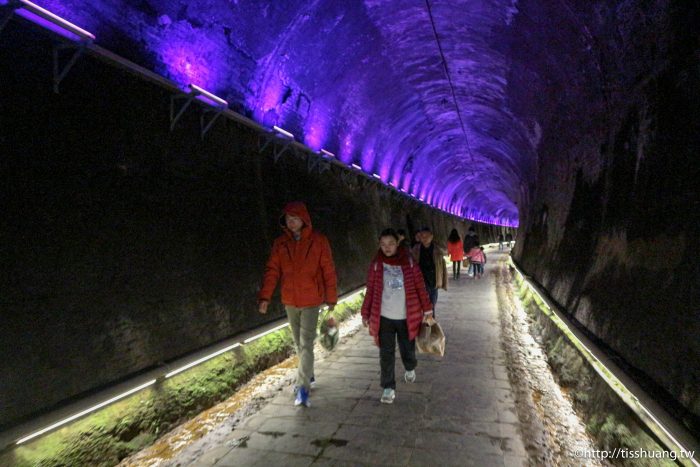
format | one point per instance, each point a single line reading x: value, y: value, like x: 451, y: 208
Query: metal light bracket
x: 204, y: 125
x: 174, y: 117
x: 59, y: 73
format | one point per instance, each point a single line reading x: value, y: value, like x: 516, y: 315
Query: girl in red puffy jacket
x: 395, y: 304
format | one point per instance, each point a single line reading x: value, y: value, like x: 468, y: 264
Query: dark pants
x: 433, y: 295
x: 389, y: 330
x: 455, y: 268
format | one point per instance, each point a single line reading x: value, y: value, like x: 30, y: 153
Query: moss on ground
x: 610, y: 422
x: 109, y: 435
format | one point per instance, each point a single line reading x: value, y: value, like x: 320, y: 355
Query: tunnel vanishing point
x: 146, y: 152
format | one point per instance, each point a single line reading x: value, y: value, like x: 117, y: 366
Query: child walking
x: 455, y: 248
x: 395, y: 304
x: 477, y: 257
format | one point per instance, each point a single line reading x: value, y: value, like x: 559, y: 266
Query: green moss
x: 113, y: 433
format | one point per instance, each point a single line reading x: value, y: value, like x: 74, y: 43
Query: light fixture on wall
x: 46, y: 19
x: 376, y: 176
x: 355, y: 166
x: 205, y: 96
x: 215, y: 105
x: 327, y: 153
x: 78, y: 37
x: 283, y: 132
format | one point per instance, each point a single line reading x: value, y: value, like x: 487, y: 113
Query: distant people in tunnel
x: 471, y: 239
x: 509, y: 239
x: 416, y: 239
x: 301, y: 258
x: 403, y: 241
x: 395, y: 304
x: 477, y: 259
x: 455, y: 248
x: 500, y: 241
x: 431, y: 259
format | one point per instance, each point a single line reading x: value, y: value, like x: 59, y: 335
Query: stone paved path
x: 460, y: 411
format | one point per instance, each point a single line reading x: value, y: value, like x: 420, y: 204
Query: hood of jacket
x: 298, y: 209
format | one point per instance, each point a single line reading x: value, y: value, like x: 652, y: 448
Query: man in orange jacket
x: 302, y: 259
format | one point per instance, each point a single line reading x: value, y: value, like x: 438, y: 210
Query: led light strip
x: 258, y: 336
x: 615, y: 384
x: 52, y: 18
x: 194, y: 89
x: 202, y: 360
x: 282, y: 131
x: 84, y: 412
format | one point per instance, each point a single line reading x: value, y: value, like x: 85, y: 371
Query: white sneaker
x: 388, y: 396
x: 410, y: 376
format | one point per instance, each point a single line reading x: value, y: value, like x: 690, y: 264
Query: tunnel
x: 148, y: 147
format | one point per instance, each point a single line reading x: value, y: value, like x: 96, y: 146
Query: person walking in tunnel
x: 395, y: 303
x: 456, y: 250
x: 431, y: 259
x: 301, y: 258
x: 477, y: 258
x: 470, y: 240
x: 509, y: 239
x: 500, y: 241
x: 403, y: 240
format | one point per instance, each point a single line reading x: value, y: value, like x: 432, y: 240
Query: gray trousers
x: 303, y: 323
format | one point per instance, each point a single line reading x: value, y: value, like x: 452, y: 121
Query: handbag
x: 431, y: 338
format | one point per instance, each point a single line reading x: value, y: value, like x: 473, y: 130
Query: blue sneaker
x: 302, y: 398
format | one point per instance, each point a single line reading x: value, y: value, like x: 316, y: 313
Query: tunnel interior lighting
x: 48, y: 20
x: 283, y: 132
x: 206, y: 96
x: 202, y: 360
x: 84, y: 412
x: 376, y: 176
x: 356, y: 166
x: 258, y: 336
x: 327, y: 153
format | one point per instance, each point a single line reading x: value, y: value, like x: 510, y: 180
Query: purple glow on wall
x: 185, y: 65
x: 316, y: 128
x: 270, y: 98
x: 378, y: 101
x: 346, y: 149
x: 367, y: 156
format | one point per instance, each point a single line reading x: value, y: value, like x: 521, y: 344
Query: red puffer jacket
x: 305, y: 265
x: 417, y: 300
x: 456, y: 250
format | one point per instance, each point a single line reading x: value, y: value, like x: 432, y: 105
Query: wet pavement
x: 460, y: 411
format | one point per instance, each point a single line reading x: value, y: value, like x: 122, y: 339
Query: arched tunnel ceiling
x: 412, y: 90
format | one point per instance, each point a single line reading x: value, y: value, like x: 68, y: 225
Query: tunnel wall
x: 612, y: 226
x: 124, y: 245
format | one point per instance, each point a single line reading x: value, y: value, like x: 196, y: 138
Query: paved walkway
x: 460, y: 411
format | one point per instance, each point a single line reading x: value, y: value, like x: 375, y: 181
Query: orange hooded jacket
x: 305, y: 266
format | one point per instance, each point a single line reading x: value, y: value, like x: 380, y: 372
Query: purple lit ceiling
x: 412, y: 90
